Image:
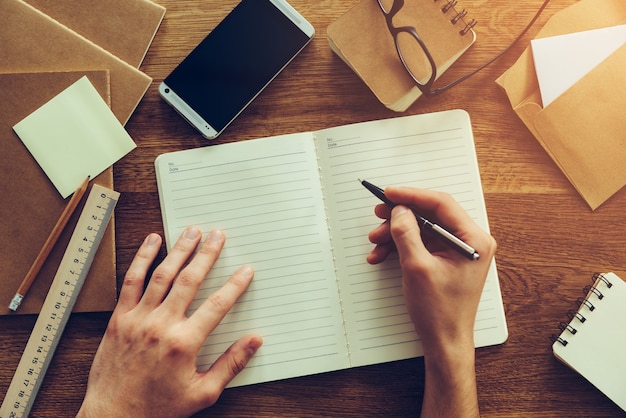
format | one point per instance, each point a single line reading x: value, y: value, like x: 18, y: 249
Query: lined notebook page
x: 432, y: 151
x: 266, y: 196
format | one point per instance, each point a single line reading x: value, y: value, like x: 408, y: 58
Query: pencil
x: 48, y: 245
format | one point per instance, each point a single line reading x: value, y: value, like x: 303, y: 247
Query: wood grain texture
x: 549, y: 241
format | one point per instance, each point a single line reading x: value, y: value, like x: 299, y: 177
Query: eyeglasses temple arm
x: 466, y: 76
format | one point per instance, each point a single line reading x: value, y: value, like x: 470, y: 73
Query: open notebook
x: 291, y: 207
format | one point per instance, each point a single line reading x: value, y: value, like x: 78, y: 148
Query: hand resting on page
x: 146, y: 363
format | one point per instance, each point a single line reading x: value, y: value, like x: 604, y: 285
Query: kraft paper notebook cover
x: 31, y: 205
x: 583, y: 129
x: 592, y: 342
x: 125, y: 28
x: 34, y: 42
x: 292, y: 208
x: 361, y: 38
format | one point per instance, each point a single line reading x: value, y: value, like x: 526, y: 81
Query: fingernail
x: 215, y: 236
x: 399, y: 210
x: 191, y: 233
x: 247, y: 271
x: 152, y: 240
x: 254, y: 344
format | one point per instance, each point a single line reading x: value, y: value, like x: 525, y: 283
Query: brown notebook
x: 103, y: 40
x: 34, y: 42
x: 31, y: 205
x: 125, y: 28
x: 361, y: 38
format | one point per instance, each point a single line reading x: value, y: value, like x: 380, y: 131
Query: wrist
x: 450, y: 381
x: 454, y: 360
x: 90, y: 409
x: 449, y: 342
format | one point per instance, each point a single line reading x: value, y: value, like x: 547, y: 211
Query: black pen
x: 447, y: 237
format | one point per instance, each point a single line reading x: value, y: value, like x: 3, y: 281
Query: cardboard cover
x: 31, y: 205
x: 583, y: 129
x: 34, y: 42
x: 125, y: 28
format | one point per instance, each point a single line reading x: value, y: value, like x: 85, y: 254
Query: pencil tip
x: 360, y: 181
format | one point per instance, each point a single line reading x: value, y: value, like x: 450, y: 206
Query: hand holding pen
x: 440, y: 232
x: 442, y: 290
x: 430, y: 203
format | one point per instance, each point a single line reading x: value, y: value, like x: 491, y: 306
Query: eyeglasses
x: 415, y: 56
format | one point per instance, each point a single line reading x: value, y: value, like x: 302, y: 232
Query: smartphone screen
x: 233, y: 64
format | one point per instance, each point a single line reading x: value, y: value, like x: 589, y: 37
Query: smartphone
x: 235, y: 62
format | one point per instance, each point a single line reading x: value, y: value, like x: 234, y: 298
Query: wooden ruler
x: 58, y: 305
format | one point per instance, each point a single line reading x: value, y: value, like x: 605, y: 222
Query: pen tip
x: 360, y: 181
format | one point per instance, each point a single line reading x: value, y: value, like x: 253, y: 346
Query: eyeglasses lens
x: 414, y: 56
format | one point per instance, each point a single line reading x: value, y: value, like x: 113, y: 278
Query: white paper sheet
x: 560, y: 61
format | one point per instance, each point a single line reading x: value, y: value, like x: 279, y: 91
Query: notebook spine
x: 457, y: 16
x: 576, y: 316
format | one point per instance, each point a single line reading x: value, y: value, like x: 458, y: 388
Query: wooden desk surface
x: 549, y: 241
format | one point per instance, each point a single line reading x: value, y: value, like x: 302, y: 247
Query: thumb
x: 226, y: 367
x: 406, y: 234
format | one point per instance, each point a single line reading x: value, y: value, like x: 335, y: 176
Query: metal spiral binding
x: 581, y: 301
x: 602, y: 277
x: 459, y: 16
x: 468, y: 26
x: 449, y: 5
x: 593, y: 289
x: 575, y: 314
x: 586, y: 302
x: 554, y: 338
x: 564, y: 326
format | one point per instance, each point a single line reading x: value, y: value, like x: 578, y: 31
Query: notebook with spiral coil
x: 593, y: 341
x: 362, y: 40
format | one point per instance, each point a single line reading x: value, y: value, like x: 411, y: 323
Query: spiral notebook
x: 593, y: 341
x: 361, y: 38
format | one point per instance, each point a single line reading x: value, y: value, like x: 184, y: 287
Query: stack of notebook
x: 46, y: 47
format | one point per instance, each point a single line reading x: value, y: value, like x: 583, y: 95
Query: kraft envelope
x: 581, y: 130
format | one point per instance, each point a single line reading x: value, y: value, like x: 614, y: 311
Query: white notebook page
x: 432, y: 151
x: 266, y: 197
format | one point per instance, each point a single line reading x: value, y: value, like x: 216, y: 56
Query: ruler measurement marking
x: 59, y: 302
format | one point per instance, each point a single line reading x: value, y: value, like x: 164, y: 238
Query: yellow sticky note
x: 73, y: 136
